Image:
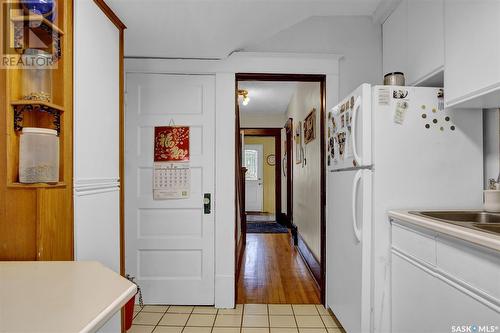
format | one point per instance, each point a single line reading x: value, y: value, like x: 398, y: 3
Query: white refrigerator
x: 390, y: 147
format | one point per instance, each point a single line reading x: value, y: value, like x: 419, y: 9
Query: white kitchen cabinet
x: 425, y: 43
x: 438, y: 282
x: 413, y: 42
x: 395, y: 39
x: 472, y: 53
x: 407, y: 300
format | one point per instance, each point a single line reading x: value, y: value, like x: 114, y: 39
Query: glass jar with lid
x: 37, y: 75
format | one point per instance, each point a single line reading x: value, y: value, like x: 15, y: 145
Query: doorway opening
x: 261, y: 149
x: 286, y: 264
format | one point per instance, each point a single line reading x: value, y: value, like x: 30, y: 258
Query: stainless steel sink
x: 478, y: 220
x: 494, y: 227
x: 464, y: 216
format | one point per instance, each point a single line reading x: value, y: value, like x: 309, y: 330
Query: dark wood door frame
x: 276, y: 134
x: 289, y: 173
x: 321, y: 78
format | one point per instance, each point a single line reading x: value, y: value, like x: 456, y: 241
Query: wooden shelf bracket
x: 45, y: 30
x: 19, y: 110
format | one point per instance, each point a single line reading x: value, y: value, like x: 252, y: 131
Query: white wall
x: 224, y: 198
x: 307, y: 178
x: 491, y: 128
x: 258, y: 120
x: 357, y: 38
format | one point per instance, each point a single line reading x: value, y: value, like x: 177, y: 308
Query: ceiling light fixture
x: 244, y: 93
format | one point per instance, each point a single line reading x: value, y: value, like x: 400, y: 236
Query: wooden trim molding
x: 110, y: 14
x: 312, y: 263
x: 280, y: 77
x: 289, y: 172
x: 122, y: 162
x: 321, y: 78
x: 322, y: 137
x: 276, y: 133
x: 240, y: 251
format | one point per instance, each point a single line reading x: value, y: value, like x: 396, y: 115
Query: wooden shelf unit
x: 37, y: 185
x: 21, y: 107
x: 36, y: 220
x: 45, y: 30
x: 41, y: 103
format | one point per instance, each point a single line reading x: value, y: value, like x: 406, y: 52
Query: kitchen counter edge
x: 470, y: 235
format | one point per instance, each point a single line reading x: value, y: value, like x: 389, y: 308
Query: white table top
x: 57, y: 296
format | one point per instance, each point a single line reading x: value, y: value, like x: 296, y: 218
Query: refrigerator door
x: 349, y: 131
x: 348, y: 248
x: 425, y: 157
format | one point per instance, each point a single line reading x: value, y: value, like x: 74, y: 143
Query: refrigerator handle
x: 357, y: 179
x: 357, y: 105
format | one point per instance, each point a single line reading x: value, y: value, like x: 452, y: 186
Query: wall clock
x: 271, y: 160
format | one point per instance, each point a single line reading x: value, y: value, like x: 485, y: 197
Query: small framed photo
x: 310, y: 127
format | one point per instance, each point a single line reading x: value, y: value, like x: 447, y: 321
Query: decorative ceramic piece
x: 46, y: 8
x: 492, y: 201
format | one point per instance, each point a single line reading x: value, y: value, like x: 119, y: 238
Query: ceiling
x: 215, y: 28
x: 267, y: 96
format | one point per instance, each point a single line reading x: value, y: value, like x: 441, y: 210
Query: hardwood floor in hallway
x: 273, y: 272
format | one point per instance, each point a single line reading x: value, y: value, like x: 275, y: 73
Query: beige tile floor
x: 247, y: 318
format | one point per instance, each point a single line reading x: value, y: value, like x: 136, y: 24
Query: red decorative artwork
x: 171, y: 144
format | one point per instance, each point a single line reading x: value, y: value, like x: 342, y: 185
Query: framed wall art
x: 171, y: 144
x: 298, y: 143
x: 310, y: 127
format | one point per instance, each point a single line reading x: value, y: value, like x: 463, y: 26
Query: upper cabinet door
x: 472, y: 53
x: 425, y: 42
x: 395, y: 40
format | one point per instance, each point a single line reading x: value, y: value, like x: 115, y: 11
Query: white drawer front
x: 413, y: 242
x: 480, y: 268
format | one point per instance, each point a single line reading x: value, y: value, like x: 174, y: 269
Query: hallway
x: 273, y: 272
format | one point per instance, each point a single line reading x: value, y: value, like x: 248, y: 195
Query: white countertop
x: 57, y: 296
x: 471, y: 235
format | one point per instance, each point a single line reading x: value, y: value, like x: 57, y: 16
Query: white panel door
x: 254, y: 183
x: 170, y: 243
x: 348, y: 249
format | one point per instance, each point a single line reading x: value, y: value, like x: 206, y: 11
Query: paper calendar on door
x: 172, y: 173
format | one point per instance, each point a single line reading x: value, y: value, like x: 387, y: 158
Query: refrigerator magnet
x: 400, y: 93
x: 400, y: 112
x: 341, y: 139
